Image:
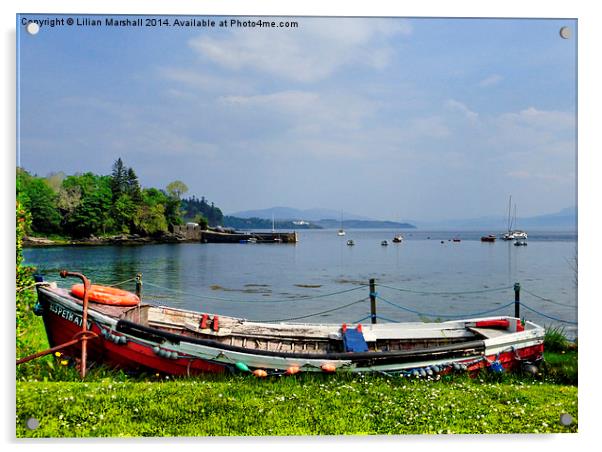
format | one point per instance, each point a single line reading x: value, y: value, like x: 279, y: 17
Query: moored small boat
x: 398, y: 238
x: 384, y: 243
x: 350, y: 242
x: 183, y: 342
x: 488, y: 238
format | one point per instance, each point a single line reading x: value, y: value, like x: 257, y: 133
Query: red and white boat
x: 181, y: 342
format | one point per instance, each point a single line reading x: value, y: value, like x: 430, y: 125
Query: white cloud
x: 551, y: 120
x: 457, y: 106
x: 204, y: 82
x: 490, y: 81
x: 310, y: 53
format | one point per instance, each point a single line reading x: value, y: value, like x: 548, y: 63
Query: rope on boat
x: 547, y: 316
x: 423, y: 292
x: 427, y: 314
x: 548, y: 300
x: 303, y: 297
x: 121, y: 283
x: 385, y: 319
x: 363, y: 318
x: 315, y: 313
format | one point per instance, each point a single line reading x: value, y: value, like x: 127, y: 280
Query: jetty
x: 192, y: 232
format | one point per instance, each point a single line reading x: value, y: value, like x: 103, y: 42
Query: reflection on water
x: 270, y: 281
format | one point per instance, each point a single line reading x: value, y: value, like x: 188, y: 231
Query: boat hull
x: 128, y: 345
x: 62, y: 323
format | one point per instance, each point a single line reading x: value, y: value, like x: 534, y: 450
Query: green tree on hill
x: 93, y: 215
x: 38, y: 198
x: 150, y: 216
x: 87, y: 204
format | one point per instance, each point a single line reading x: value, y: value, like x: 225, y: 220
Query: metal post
x: 517, y: 300
x: 139, y: 285
x: 372, y: 301
x: 84, y: 331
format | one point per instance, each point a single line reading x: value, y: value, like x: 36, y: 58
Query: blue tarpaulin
x: 354, y: 341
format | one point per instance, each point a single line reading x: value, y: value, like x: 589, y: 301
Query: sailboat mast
x: 514, y: 217
x: 509, y: 207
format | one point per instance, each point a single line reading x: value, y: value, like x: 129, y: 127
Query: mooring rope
x: 122, y: 282
x: 547, y: 316
x: 303, y: 297
x: 427, y: 314
x: 548, y: 300
x: 314, y: 314
x: 424, y: 292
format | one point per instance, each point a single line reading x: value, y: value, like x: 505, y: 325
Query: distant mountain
x: 328, y: 218
x: 363, y: 224
x: 563, y: 219
x: 263, y: 223
x: 289, y: 213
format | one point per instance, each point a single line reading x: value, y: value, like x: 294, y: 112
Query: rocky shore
x: 122, y: 239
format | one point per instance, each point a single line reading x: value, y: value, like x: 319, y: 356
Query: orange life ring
x: 106, y: 295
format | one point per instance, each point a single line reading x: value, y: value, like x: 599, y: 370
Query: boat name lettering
x: 67, y: 314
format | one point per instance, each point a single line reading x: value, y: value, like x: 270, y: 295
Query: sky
x: 389, y: 118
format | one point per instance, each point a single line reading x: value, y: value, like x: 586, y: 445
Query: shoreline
x: 121, y: 239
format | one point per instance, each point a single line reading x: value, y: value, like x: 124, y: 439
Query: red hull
x: 509, y: 360
x: 138, y: 357
x: 129, y: 356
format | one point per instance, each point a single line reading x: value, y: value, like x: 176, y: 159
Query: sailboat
x: 276, y: 238
x: 513, y: 234
x: 341, y: 231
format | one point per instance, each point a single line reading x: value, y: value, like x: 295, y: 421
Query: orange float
x: 106, y: 295
x: 328, y: 368
x: 292, y: 370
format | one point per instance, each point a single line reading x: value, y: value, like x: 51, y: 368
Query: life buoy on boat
x: 106, y: 295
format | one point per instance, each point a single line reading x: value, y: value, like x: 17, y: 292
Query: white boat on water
x: 341, y: 231
x: 513, y: 234
x: 398, y: 238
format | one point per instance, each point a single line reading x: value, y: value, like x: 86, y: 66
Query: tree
x: 93, y: 214
x: 118, y: 178
x: 25, y: 295
x: 40, y: 201
x: 123, y: 211
x: 177, y: 189
x: 55, y: 180
x: 133, y: 186
x: 68, y: 200
x: 150, y: 216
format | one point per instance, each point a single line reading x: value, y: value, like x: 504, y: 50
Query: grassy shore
x: 113, y: 404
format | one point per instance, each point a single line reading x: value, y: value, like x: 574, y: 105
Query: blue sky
x: 389, y: 118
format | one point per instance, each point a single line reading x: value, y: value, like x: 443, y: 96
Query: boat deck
x: 303, y: 338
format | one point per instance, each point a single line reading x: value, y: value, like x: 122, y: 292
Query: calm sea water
x: 424, y: 277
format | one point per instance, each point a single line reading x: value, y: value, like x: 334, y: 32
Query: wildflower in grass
x: 58, y: 354
x: 64, y: 362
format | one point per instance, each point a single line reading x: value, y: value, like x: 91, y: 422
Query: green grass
x: 113, y: 404
x: 302, y: 405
